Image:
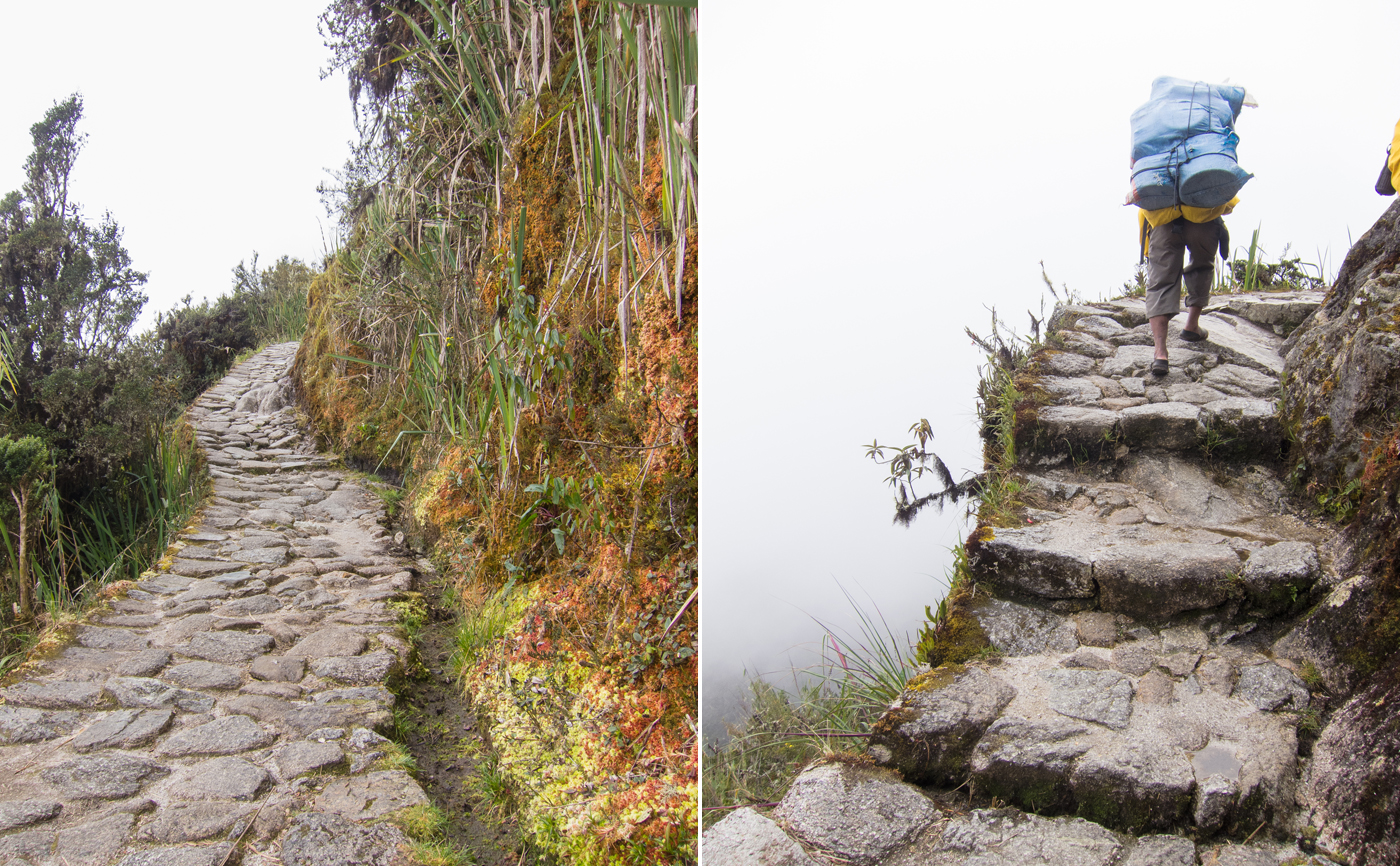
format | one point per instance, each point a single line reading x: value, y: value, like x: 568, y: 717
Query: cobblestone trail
x: 1149, y: 667
x: 232, y: 695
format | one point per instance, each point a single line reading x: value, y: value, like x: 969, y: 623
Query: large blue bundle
x: 1184, y: 145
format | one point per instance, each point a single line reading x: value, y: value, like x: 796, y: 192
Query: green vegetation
x: 509, y: 326
x: 100, y: 473
x: 827, y: 715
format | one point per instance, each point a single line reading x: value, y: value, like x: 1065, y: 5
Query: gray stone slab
x: 1240, y: 341
x: 1270, y: 686
x: 205, y: 675
x: 318, y: 839
x: 251, y: 605
x: 746, y: 838
x: 278, y: 668
x: 928, y: 733
x: 1163, y: 426
x: 306, y: 756
x: 202, y: 568
x: 1162, y: 850
x: 24, y: 813
x: 123, y: 729
x: 224, y: 736
x: 357, y: 670
x: 1016, y: 630
x: 106, y: 777
x: 183, y: 855
x: 1104, y: 697
x: 1007, y: 837
x: 226, y: 778
x: 55, y: 695
x: 227, y: 647
x: 371, y: 796
x: 97, y: 841
x: 192, y: 822
x: 855, y: 813
x: 1155, y: 581
x: 1133, y: 785
x: 1075, y: 429
x: 30, y: 725
x: 1035, y: 561
x: 339, y: 641
x: 149, y: 693
x: 1028, y: 762
x: 111, y: 638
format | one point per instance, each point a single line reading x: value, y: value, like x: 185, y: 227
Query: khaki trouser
x: 1166, y: 248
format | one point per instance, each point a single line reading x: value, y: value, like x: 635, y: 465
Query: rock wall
x: 226, y: 704
x: 1343, y: 394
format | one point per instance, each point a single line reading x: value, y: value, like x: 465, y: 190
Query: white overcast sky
x: 875, y: 174
x: 208, y: 127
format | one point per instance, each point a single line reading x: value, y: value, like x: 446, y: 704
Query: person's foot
x: 1195, y: 336
x: 1159, y: 367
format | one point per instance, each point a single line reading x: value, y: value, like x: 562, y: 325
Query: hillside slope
x: 511, y: 328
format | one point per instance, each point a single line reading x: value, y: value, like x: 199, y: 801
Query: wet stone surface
x: 145, y: 742
x: 1147, y: 675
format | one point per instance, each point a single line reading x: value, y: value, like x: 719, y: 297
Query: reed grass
x: 115, y: 534
x: 827, y: 712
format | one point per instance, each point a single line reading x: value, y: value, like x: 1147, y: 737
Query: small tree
x: 24, y: 466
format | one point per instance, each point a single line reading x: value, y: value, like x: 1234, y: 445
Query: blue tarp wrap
x: 1184, y: 145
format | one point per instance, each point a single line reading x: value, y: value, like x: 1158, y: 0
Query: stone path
x: 231, y: 698
x: 1147, y: 675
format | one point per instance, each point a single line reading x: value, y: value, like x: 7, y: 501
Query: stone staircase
x: 226, y: 706
x: 1143, y: 702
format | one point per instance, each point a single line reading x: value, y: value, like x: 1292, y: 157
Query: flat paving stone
x: 371, y: 796
x: 317, y: 839
x: 205, y: 675
x: 306, y: 756
x: 150, y: 693
x: 180, y: 855
x: 192, y: 822
x: 226, y: 736
x: 226, y: 778
x: 23, y: 813
x: 227, y: 647
x: 106, y: 777
x: 111, y: 638
x: 55, y: 696
x: 359, y: 670
x: 123, y: 729
x: 334, y: 641
x: 279, y: 668
x: 30, y: 725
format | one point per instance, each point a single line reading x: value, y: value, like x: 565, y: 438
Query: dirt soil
x: 442, y: 735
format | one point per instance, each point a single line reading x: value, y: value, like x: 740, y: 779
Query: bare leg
x: 1159, y: 332
x: 1193, y: 319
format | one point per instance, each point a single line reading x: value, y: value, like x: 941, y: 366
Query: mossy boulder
x: 928, y: 734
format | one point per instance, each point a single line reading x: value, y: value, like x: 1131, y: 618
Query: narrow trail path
x: 226, y: 706
x: 1147, y: 692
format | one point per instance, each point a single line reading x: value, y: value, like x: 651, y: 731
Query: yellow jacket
x: 1150, y: 219
x: 1394, y: 160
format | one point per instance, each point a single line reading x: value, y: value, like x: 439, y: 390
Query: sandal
x: 1159, y: 367
x: 1195, y: 336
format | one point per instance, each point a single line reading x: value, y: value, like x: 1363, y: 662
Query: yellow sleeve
x: 1394, y: 160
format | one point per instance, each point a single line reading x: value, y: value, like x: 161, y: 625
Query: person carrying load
x: 1184, y: 180
x: 1390, y: 172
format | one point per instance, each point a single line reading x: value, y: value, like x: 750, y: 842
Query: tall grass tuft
x: 114, y: 534
x: 829, y: 711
